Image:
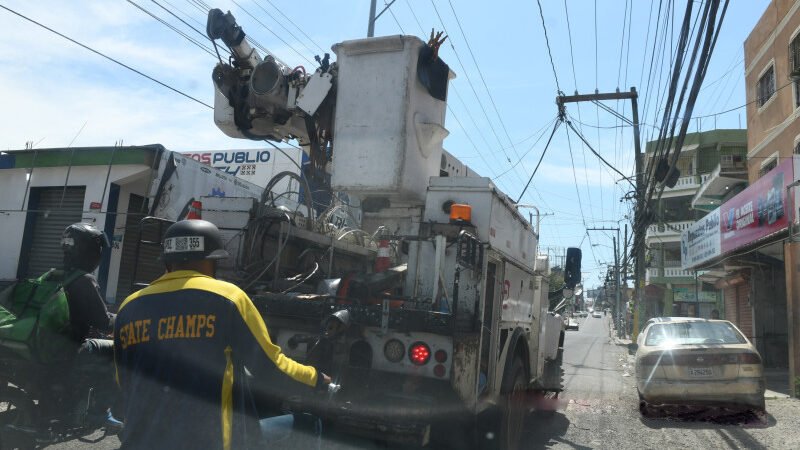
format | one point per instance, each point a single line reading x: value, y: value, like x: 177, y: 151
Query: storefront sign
x: 759, y: 210
x: 257, y: 166
x: 691, y: 295
x: 701, y: 242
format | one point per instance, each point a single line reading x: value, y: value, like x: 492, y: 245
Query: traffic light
x: 572, y: 269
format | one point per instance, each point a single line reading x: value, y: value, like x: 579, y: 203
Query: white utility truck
x: 434, y: 301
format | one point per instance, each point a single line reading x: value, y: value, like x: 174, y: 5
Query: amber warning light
x: 460, y: 213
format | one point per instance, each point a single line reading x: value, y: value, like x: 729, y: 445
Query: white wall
x: 12, y: 211
x: 139, y: 187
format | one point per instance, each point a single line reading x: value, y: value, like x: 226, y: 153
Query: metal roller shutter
x: 149, y: 267
x: 51, y: 217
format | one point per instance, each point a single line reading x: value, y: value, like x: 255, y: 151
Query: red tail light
x: 749, y: 358
x: 419, y: 353
x: 440, y: 356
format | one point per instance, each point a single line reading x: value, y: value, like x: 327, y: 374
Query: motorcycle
x: 45, y: 404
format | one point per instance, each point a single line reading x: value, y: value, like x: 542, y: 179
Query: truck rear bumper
x: 399, y: 419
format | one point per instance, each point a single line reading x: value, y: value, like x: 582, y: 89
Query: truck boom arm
x: 262, y: 99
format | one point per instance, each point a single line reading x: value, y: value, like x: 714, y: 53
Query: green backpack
x: 34, y: 318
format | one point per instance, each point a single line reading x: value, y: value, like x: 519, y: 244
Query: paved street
x: 602, y: 409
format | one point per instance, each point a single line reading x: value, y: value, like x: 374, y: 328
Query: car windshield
x: 691, y: 333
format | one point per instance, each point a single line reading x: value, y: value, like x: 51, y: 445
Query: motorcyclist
x: 184, y: 347
x: 83, y: 245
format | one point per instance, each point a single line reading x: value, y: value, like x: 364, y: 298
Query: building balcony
x: 670, y: 231
x: 686, y: 185
x: 676, y: 272
x: 666, y: 274
x: 727, y: 177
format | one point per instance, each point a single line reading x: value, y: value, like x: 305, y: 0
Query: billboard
x: 759, y: 210
x: 256, y: 166
x: 701, y: 242
x: 180, y: 180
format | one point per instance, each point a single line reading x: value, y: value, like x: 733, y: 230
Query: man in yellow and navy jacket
x: 181, y: 346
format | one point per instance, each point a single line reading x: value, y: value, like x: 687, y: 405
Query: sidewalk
x: 777, y: 383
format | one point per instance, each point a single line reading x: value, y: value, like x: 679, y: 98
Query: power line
x: 284, y: 26
x: 204, y: 9
x: 183, y: 12
x: 575, y: 178
x: 547, y: 41
x: 394, y: 17
x: 546, y: 146
x: 416, y: 19
x: 483, y: 80
x: 474, y: 91
x: 575, y: 82
x: 173, y: 28
x: 106, y: 56
x: 180, y: 19
x: 296, y: 26
x: 271, y: 31
x: 541, y: 132
x: 455, y: 117
x: 595, y: 152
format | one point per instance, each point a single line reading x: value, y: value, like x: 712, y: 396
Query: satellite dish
x: 579, y: 292
x: 567, y: 293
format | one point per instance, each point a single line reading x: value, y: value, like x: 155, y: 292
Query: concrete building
x: 772, y: 74
x: 750, y: 255
x: 671, y: 290
x: 45, y: 190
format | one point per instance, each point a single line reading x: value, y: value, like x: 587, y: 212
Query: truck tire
x: 513, y: 408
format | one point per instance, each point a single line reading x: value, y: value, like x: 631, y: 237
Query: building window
x: 767, y: 167
x: 797, y: 148
x: 794, y: 56
x: 796, y: 93
x: 766, y: 86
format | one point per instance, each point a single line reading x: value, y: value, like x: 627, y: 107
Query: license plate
x: 701, y: 372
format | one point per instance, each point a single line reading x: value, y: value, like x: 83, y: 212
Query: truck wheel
x: 514, y: 410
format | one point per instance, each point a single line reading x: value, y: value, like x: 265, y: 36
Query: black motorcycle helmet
x: 83, y: 246
x: 191, y: 240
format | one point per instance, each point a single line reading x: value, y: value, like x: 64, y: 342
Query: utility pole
x: 640, y: 219
x: 373, y: 17
x: 616, y: 278
x: 617, y: 305
x: 640, y: 225
x: 625, y: 257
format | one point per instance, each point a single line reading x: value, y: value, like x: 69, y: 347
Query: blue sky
x: 51, y: 88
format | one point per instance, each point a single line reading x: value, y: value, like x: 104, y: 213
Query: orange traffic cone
x: 195, y: 211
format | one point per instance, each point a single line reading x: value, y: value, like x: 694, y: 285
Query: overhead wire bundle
x: 662, y: 170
